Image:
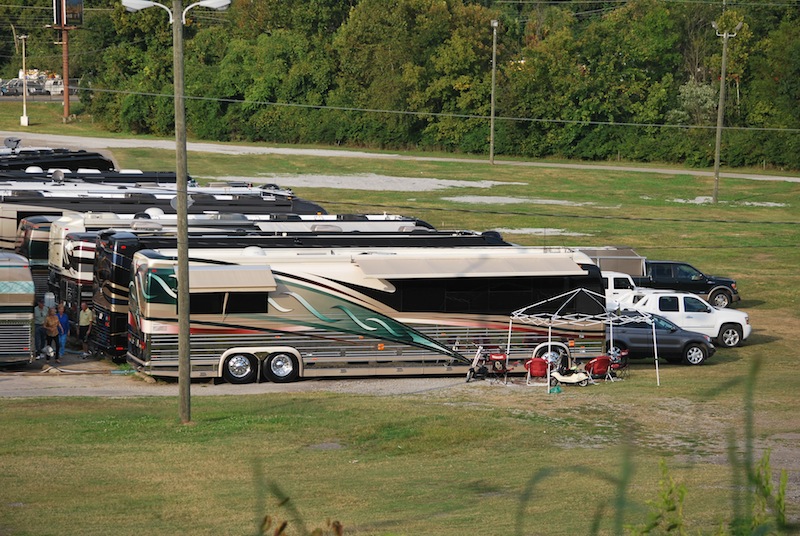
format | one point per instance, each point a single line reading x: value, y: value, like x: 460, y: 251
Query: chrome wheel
x: 281, y: 367
x: 240, y: 368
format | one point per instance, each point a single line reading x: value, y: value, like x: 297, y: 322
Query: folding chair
x: 599, y: 367
x: 619, y: 367
x: 498, y: 367
x: 536, y: 367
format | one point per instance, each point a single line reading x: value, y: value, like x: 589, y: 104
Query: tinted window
x: 693, y: 305
x: 687, y: 272
x: 668, y: 303
x: 211, y: 303
x: 662, y: 271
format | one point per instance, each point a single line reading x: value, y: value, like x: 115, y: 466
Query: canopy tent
x: 558, y: 311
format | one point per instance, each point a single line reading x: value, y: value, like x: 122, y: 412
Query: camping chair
x: 599, y: 367
x: 536, y: 367
x: 498, y: 367
x: 619, y: 366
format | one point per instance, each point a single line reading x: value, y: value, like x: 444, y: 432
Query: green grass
x: 472, y: 458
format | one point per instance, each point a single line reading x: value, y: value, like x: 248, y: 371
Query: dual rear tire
x: 280, y: 367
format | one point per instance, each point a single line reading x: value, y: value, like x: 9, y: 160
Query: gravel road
x: 100, y: 378
x: 101, y: 144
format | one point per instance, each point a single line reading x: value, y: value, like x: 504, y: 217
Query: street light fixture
x: 23, y: 121
x: 132, y: 6
x: 495, y: 24
x: 181, y: 178
x: 721, y: 107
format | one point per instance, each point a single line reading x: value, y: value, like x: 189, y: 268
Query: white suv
x: 728, y: 326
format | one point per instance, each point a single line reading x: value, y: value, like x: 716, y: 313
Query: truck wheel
x: 281, y: 367
x: 240, y: 368
x: 730, y: 335
x: 694, y: 354
x: 720, y: 298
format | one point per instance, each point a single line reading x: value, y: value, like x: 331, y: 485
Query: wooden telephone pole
x: 61, y: 24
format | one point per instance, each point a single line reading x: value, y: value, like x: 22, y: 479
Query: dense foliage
x: 636, y: 81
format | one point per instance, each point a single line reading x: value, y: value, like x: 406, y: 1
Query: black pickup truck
x: 718, y: 291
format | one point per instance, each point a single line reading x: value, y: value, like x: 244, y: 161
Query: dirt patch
x: 364, y: 181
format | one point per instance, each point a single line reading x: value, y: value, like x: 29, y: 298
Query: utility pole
x: 495, y: 23
x: 721, y: 107
x: 62, y: 25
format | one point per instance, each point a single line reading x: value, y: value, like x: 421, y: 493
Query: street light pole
x: 182, y: 196
x: 23, y: 121
x: 721, y: 106
x: 181, y: 172
x: 494, y: 72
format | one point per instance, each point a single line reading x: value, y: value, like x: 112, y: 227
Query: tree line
x: 634, y: 80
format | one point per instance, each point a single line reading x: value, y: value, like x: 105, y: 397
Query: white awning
x: 403, y: 267
x: 231, y: 278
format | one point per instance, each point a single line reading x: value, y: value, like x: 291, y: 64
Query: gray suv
x: 675, y: 345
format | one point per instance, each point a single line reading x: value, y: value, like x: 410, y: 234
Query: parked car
x: 12, y: 87
x: 728, y: 327
x: 674, y: 344
x: 55, y: 86
x: 36, y: 88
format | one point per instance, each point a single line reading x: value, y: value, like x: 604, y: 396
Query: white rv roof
x: 388, y: 267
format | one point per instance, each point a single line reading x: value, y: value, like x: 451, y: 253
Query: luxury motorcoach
x: 280, y: 314
x: 14, y: 208
x: 115, y: 250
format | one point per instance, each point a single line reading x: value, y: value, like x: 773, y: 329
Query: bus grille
x: 15, y: 340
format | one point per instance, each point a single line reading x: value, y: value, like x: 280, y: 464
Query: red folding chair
x: 536, y: 367
x: 599, y: 368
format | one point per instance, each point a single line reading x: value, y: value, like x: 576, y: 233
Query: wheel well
x: 720, y: 290
x: 261, y: 353
x: 554, y: 345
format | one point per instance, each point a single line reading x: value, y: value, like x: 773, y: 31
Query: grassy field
x: 472, y: 458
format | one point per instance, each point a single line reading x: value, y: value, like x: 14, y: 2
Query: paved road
x: 101, y: 144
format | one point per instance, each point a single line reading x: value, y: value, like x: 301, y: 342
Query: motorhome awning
x: 400, y: 267
x: 231, y: 278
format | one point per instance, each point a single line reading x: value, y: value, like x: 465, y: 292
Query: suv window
x: 693, y: 305
x: 668, y: 303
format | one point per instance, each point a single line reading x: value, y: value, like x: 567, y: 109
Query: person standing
x: 39, y: 335
x: 51, y: 328
x: 63, y: 329
x: 85, y: 322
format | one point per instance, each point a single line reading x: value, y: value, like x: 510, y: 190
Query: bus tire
x: 240, y: 368
x: 281, y: 367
